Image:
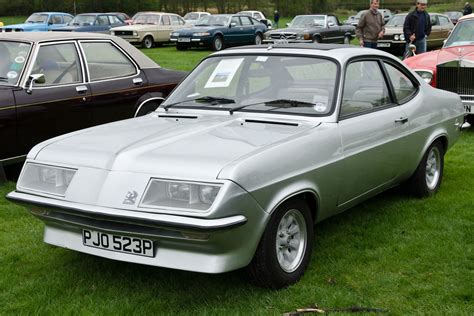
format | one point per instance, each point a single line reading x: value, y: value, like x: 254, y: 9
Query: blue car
x: 40, y: 22
x: 220, y: 30
x: 92, y: 22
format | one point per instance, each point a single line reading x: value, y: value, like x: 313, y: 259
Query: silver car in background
x: 251, y: 150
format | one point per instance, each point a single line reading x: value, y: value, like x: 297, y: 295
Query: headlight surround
x: 402, y: 37
x: 396, y: 37
x: 47, y: 179
x: 202, y: 34
x: 426, y: 75
x: 180, y: 194
x: 174, y: 34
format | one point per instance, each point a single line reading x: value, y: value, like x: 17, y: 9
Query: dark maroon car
x: 54, y: 83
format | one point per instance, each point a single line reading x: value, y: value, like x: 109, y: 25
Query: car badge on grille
x: 282, y: 40
x: 130, y: 197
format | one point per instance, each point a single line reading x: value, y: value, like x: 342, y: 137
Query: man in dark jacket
x: 417, y: 27
x: 467, y: 9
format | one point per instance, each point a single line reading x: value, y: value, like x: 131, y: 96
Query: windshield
x: 396, y: 21
x: 83, y: 20
x: 37, y: 18
x: 463, y: 34
x: 308, y: 20
x: 13, y: 60
x: 453, y: 14
x: 275, y: 84
x: 191, y: 16
x: 220, y: 20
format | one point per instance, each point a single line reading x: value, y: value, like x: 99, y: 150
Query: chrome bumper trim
x: 127, y: 216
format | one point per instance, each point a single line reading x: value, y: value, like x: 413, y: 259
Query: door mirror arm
x: 38, y: 78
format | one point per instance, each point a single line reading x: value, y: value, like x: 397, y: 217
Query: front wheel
x: 258, y: 39
x: 217, y: 43
x: 347, y: 40
x: 428, y: 175
x: 285, y: 248
x: 148, y: 42
x: 317, y: 40
x: 470, y: 119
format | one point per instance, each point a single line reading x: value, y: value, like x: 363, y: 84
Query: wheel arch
x: 310, y: 196
x: 146, y: 98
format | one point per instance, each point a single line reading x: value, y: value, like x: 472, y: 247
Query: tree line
x: 285, y: 7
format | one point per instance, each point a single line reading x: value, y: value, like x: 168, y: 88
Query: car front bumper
x: 192, y: 41
x: 276, y: 41
x: 180, y: 242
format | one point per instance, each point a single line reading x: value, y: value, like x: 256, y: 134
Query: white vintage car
x: 150, y: 28
x: 252, y: 149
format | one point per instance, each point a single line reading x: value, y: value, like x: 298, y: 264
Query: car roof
x: 466, y: 17
x: 47, y: 12
x: 37, y: 37
x: 341, y: 52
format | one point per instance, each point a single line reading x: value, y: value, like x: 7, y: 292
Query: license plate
x: 184, y: 39
x: 383, y: 44
x: 131, y: 245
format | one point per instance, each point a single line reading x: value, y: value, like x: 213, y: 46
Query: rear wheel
x: 285, y: 248
x: 148, y: 42
x: 217, y: 43
x: 258, y: 39
x: 428, y: 175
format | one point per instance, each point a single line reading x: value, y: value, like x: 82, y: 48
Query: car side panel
x: 8, y: 138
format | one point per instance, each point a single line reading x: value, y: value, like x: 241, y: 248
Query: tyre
x: 285, y: 248
x: 428, y: 175
x: 347, y: 40
x: 217, y: 43
x: 148, y: 42
x: 147, y: 108
x: 317, y: 40
x: 470, y: 119
x: 181, y: 47
x: 258, y: 39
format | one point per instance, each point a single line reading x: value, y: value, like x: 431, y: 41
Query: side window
x: 104, y: 61
x: 114, y: 20
x: 174, y: 20
x: 181, y: 21
x: 401, y: 83
x: 434, y: 19
x: 59, y: 63
x: 245, y: 20
x: 165, y: 20
x: 364, y: 88
x: 56, y: 19
x: 332, y: 19
x: 443, y: 20
x: 236, y: 20
x: 67, y: 19
x: 102, y: 20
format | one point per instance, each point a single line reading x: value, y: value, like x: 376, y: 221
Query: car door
x: 248, y: 29
x: 164, y: 30
x: 116, y: 83
x: 102, y: 24
x: 371, y: 125
x: 8, y: 139
x: 234, y: 33
x: 445, y: 27
x: 435, y: 39
x: 60, y: 104
x: 334, y: 33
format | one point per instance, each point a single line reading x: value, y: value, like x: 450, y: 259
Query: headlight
x: 135, y: 33
x: 47, y: 179
x: 202, y: 34
x: 174, y: 34
x: 396, y: 37
x: 402, y: 37
x: 112, y: 32
x: 426, y: 75
x: 178, y: 194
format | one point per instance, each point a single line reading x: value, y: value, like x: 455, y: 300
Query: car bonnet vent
x: 271, y: 122
x: 179, y: 116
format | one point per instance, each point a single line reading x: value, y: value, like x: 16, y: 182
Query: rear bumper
x: 181, y: 242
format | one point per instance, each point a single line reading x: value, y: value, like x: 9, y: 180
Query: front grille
x: 124, y: 33
x: 455, y: 79
x: 284, y: 36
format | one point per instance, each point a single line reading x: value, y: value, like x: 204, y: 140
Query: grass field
x: 405, y: 255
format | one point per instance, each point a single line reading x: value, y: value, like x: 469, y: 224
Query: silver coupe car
x: 236, y: 166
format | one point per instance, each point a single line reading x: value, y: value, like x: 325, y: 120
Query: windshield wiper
x: 279, y: 103
x: 206, y: 99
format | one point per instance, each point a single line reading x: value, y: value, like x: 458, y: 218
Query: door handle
x: 137, y: 81
x: 81, y: 89
x: 402, y: 120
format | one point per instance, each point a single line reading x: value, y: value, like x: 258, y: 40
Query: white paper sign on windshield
x: 224, y: 73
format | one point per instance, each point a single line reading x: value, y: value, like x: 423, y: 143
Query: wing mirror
x: 38, y: 78
x: 233, y: 24
x: 331, y: 24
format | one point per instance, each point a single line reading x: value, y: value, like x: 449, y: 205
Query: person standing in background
x: 276, y: 18
x: 467, y: 9
x: 371, y: 26
x: 417, y: 27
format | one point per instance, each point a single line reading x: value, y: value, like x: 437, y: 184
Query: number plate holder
x: 383, y: 44
x: 118, y: 243
x: 184, y: 39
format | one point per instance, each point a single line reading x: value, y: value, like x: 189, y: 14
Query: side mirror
x: 233, y: 24
x: 38, y: 78
x: 288, y: 24
x: 331, y: 24
x: 444, y: 42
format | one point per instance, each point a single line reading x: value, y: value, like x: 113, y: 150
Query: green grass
x: 407, y: 255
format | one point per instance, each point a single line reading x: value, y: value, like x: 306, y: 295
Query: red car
x: 451, y: 67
